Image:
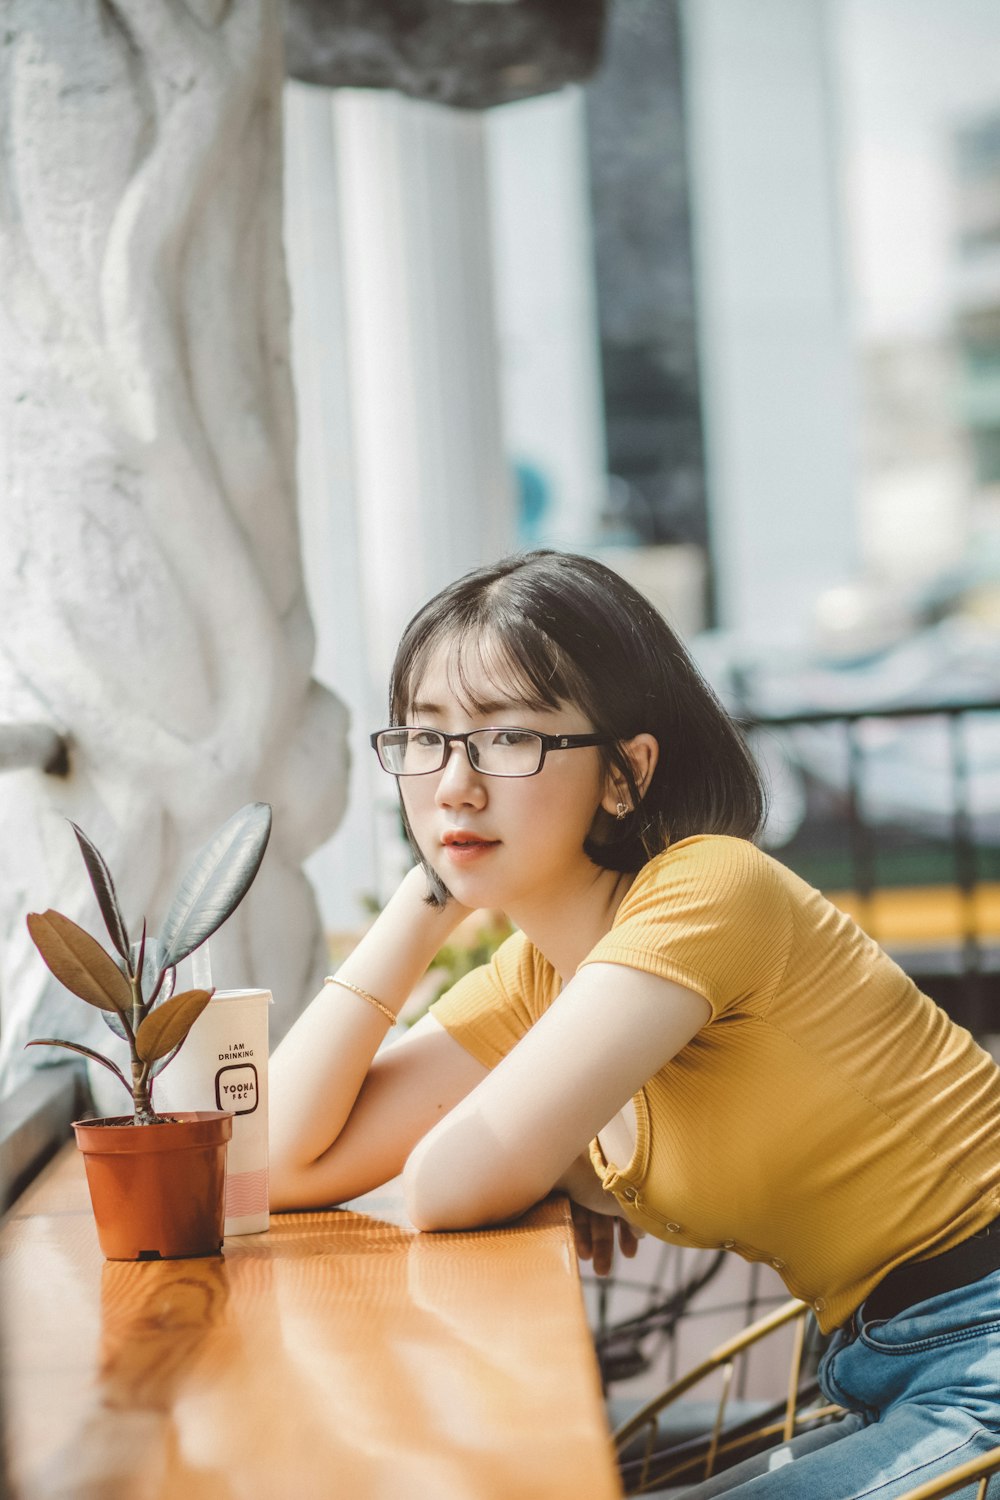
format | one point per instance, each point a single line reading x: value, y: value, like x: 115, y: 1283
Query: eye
x: 513, y: 738
x: 425, y: 739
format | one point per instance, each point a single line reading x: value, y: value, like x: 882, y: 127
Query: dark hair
x: 557, y: 627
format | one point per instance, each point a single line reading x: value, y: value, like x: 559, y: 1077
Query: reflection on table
x: 340, y: 1354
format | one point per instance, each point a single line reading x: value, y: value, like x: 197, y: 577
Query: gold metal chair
x: 956, y: 1479
x: 645, y: 1464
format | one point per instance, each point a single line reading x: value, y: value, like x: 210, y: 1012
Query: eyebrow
x: 434, y: 709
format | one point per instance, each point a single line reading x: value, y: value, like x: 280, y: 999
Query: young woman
x: 681, y: 1034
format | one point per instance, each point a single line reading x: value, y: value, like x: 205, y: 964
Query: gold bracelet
x: 347, y: 985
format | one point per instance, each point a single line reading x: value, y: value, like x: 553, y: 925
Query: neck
x: 565, y: 928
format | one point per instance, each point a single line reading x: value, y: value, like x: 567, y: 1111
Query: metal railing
x: 949, y: 854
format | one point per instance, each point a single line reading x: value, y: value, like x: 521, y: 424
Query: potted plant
x: 157, y: 1184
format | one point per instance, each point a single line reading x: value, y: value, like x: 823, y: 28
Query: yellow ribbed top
x: 829, y: 1119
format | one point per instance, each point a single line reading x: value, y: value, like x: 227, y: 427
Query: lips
x: 458, y: 838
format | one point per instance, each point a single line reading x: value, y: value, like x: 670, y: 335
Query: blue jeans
x: 922, y: 1394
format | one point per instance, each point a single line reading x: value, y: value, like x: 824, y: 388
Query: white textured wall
x: 150, y: 579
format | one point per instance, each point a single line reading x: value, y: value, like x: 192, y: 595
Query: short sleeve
x: 488, y: 1011
x: 710, y: 913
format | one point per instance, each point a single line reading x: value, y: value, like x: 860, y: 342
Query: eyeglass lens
x: 496, y: 752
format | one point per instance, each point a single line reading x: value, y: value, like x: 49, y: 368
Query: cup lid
x: 243, y: 995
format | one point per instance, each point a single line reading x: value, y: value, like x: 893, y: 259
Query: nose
x: 459, y: 781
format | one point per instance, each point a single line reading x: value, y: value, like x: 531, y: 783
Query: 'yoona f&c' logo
x: 236, y: 1089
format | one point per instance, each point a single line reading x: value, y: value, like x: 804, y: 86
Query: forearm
x: 477, y: 1187
x: 317, y: 1071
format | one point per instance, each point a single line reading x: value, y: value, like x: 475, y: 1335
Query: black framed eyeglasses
x: 412, y: 751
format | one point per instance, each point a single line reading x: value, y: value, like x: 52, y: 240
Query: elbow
x: 284, y: 1182
x: 443, y: 1193
x: 293, y: 1185
x: 418, y: 1210
x: 429, y: 1203
x: 284, y: 1192
x: 278, y: 1194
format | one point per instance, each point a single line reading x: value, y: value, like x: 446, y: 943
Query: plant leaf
x: 155, y: 982
x: 112, y: 1019
x: 141, y: 957
x: 104, y: 890
x: 51, y: 1041
x: 133, y: 964
x: 167, y: 1026
x: 79, y: 962
x: 158, y: 1066
x: 167, y: 985
x: 216, y: 882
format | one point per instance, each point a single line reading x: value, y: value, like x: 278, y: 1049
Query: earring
x: 621, y: 811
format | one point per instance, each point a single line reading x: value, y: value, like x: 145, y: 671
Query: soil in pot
x: 158, y: 1191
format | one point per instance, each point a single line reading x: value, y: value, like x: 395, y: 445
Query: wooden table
x: 340, y: 1356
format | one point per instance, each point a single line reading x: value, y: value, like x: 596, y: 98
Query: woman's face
x: 497, y: 841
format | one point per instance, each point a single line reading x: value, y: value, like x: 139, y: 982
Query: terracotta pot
x: 158, y: 1191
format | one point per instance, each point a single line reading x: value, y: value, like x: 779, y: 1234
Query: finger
x: 627, y: 1239
x: 603, y: 1237
x: 582, y: 1231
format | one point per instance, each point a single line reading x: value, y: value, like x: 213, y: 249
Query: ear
x: 643, y: 752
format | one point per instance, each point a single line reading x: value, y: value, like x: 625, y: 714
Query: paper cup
x: 223, y: 1065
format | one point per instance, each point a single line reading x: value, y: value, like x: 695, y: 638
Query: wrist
x: 439, y: 921
x: 398, y: 948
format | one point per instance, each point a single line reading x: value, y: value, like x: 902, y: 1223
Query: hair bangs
x: 489, y: 662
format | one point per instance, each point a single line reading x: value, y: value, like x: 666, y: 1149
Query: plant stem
x: 142, y: 1109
